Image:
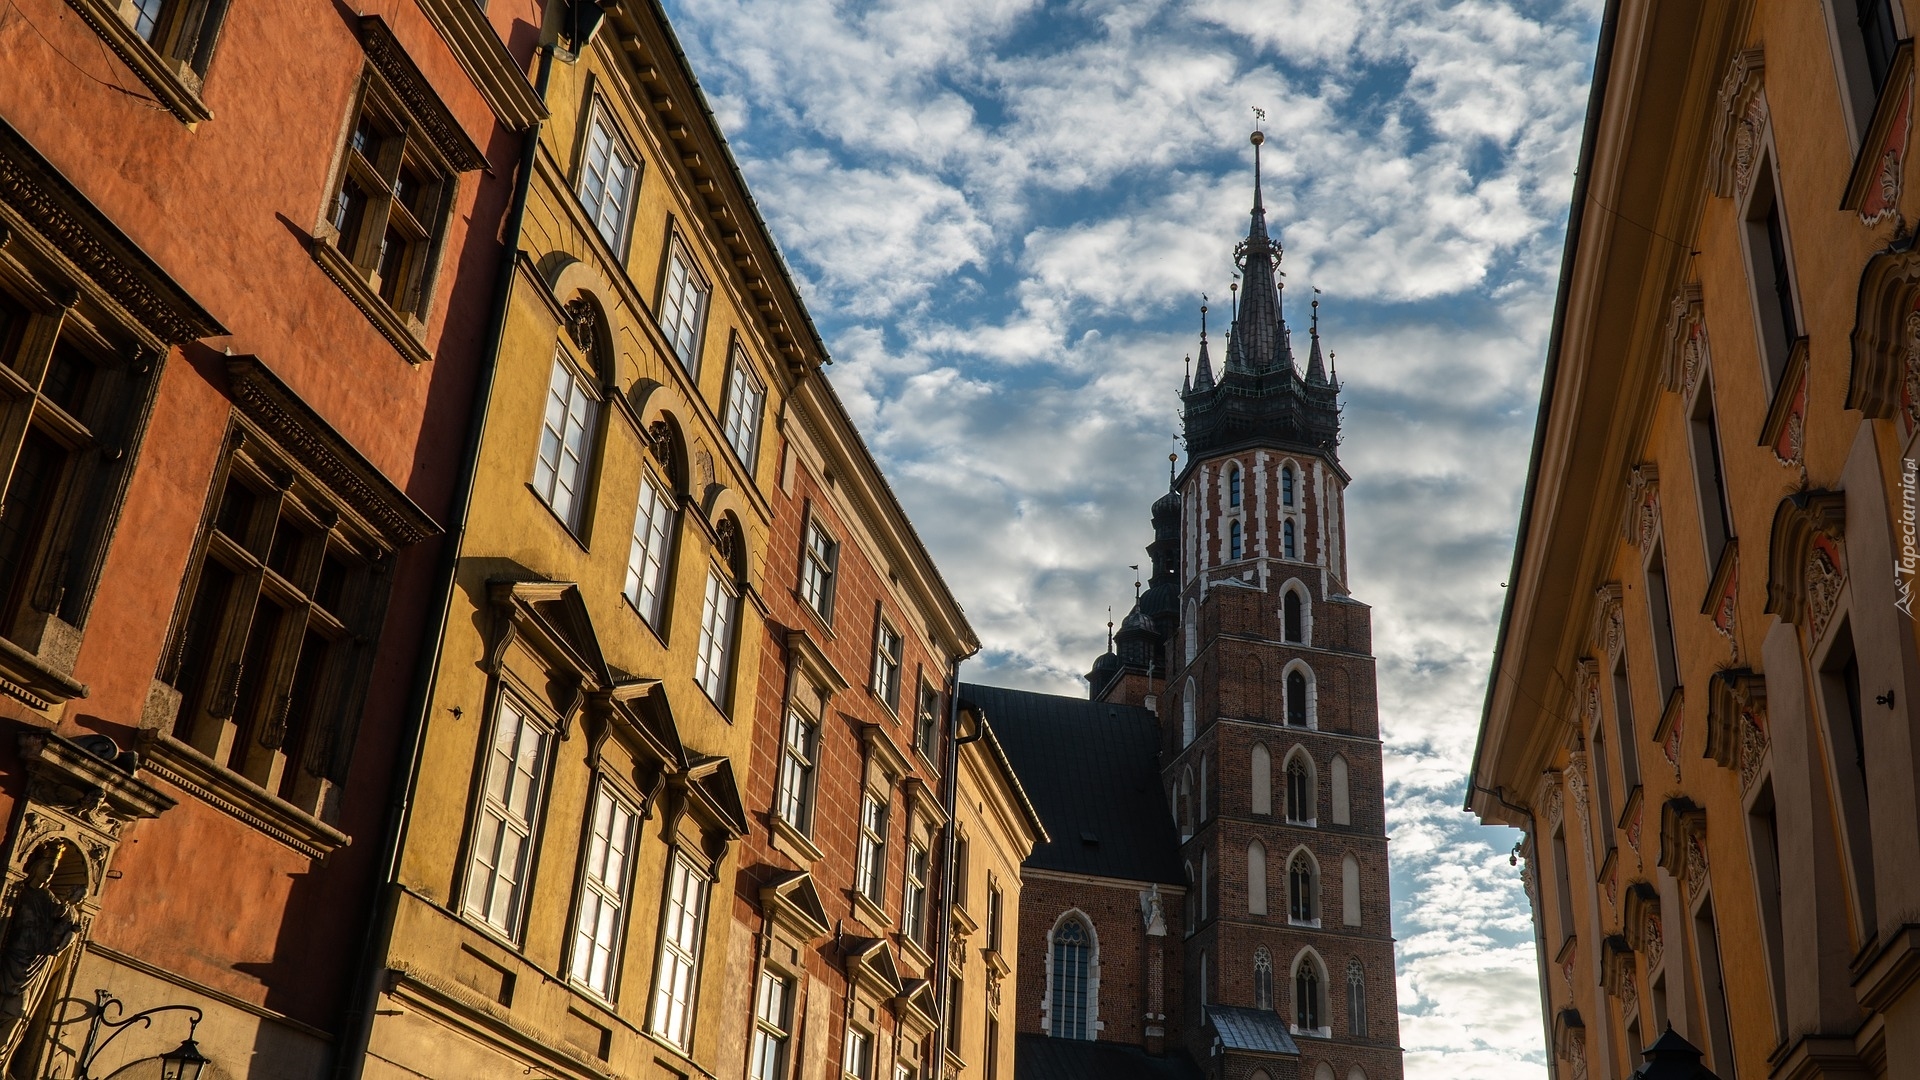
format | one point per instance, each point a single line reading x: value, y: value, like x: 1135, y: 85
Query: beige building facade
x: 1702, y: 710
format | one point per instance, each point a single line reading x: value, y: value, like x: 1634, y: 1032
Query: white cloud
x: 1006, y: 211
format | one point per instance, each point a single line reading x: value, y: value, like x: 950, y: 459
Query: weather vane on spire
x: 1259, y: 115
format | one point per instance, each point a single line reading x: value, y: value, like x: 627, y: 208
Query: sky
x: 1003, y: 215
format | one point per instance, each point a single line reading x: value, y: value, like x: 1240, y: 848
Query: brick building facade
x: 1216, y: 885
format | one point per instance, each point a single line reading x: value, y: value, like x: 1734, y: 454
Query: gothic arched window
x: 1187, y: 723
x: 1287, y: 546
x: 1233, y: 485
x: 1296, y: 699
x: 1356, y: 999
x: 1306, y: 995
x: 1290, y: 617
x: 1286, y: 486
x: 1300, y: 793
x: 1302, y: 890
x: 1070, y: 995
x: 1233, y: 541
x: 1262, y: 978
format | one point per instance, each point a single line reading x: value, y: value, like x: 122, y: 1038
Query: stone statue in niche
x: 45, y: 921
x: 1152, y: 913
x: 581, y: 320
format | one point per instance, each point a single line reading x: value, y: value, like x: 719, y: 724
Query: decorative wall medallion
x: 1577, y: 1062
x: 1613, y: 879
x: 1726, y: 608
x: 1608, y: 627
x: 1739, y: 126
x: 1650, y: 934
x: 1633, y: 830
x: 1670, y: 746
x: 1824, y: 581
x: 1642, y: 519
x: 703, y: 465
x: 1555, y: 811
x: 1629, y: 987
x: 1567, y: 960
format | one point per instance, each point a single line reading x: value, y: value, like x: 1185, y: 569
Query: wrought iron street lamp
x: 183, y: 1062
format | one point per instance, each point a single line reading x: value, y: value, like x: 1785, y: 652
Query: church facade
x: 1213, y: 897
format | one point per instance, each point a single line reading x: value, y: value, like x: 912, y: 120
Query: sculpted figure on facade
x: 44, y: 922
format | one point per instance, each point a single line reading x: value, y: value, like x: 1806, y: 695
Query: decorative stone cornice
x: 1807, y: 564
x: 464, y: 27
x: 314, y: 445
x: 37, y: 201
x: 1739, y: 125
x: 417, y: 96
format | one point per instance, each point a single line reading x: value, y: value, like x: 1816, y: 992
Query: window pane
x: 565, y: 437
x: 796, y: 772
x: 674, y: 984
x: 604, y: 900
x: 606, y: 179
x: 744, y: 397
x: 716, y: 639
x: 647, y: 559
x: 502, y: 837
x: 682, y: 302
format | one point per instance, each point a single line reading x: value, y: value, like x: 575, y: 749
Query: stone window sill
x: 405, y: 332
x: 193, y: 772
x: 174, y: 84
x: 32, y: 681
x: 873, y: 914
x: 794, y: 843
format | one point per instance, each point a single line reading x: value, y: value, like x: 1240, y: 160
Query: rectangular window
x: 606, y: 180
x: 992, y: 1064
x: 390, y: 205
x: 271, y: 653
x: 1713, y: 990
x: 956, y: 1006
x: 857, y: 1062
x: 1603, y: 820
x: 677, y: 983
x: 181, y: 31
x: 1563, y: 885
x: 1763, y: 833
x: 961, y: 857
x: 603, y: 899
x: 913, y: 900
x: 772, y: 1026
x: 886, y: 664
x: 1770, y: 270
x: 1623, y: 721
x: 745, y: 398
x: 683, y: 307
x: 646, y: 584
x: 871, y: 873
x: 819, y: 561
x: 1709, y: 477
x: 1660, y: 612
x: 797, y: 754
x: 503, y: 837
x: 926, y: 723
x: 566, y: 437
x: 711, y: 663
x: 993, y: 918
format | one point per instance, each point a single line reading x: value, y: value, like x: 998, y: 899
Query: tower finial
x: 1171, y: 458
x: 1135, y: 567
x: 1204, y: 379
x: 1109, y: 627
x: 1316, y: 372
x: 1258, y: 137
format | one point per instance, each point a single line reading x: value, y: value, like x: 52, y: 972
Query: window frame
x: 775, y: 1032
x: 640, y: 552
x: 531, y: 719
x: 926, y: 722
x: 887, y: 664
x: 617, y: 895
x: 870, y: 854
x: 803, y: 769
x: 916, y: 874
x: 600, y: 116
x: 686, y: 352
x: 819, y: 571
x: 682, y: 871
x: 714, y: 658
x: 1773, y: 302
x: 575, y: 516
x: 741, y: 371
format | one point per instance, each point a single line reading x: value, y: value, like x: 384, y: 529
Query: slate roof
x: 1038, y: 1057
x: 1260, y: 1031
x: 1093, y: 773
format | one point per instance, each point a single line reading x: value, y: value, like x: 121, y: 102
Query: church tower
x: 1259, y: 663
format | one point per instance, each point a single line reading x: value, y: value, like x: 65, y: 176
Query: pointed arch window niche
x: 1302, y: 793
x: 1303, y: 890
x: 1233, y: 486
x: 1262, y: 978
x: 1286, y: 485
x: 1309, y: 1008
x: 1071, y: 1006
x: 1356, y: 999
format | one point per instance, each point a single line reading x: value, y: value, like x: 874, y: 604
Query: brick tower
x: 1258, y: 662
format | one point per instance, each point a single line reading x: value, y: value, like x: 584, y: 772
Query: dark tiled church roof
x: 1093, y: 773
x: 1037, y: 1057
x: 1259, y: 1031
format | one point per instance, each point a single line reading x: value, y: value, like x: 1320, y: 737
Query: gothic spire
x: 1316, y: 373
x: 1259, y: 338
x: 1204, y: 380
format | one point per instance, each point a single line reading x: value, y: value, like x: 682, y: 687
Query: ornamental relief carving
x: 1910, y: 374
x: 1629, y: 987
x: 1824, y: 582
x: 1650, y: 935
x: 1609, y: 628
x: 1686, y: 353
x: 1642, y: 519
x: 1577, y: 784
x: 1739, y: 129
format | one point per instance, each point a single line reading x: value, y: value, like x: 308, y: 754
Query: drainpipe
x: 370, y: 976
x: 949, y: 798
